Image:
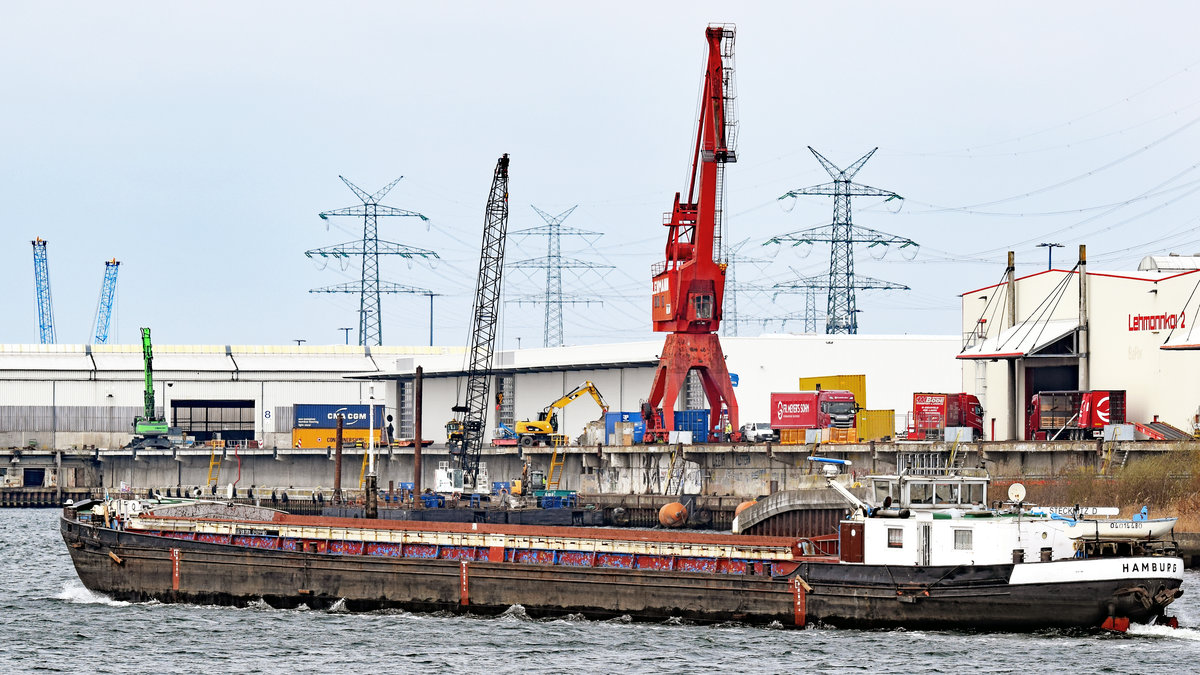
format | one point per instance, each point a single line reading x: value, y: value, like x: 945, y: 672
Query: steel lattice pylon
x: 369, y: 288
x: 104, y: 307
x: 41, y: 277
x: 730, y: 318
x: 554, y: 264
x: 841, y: 315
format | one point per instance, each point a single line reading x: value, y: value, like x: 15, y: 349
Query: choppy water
x: 49, y: 622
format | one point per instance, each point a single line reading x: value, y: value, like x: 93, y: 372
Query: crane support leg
x: 681, y: 353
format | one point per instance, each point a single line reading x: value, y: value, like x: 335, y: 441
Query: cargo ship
x: 927, y: 557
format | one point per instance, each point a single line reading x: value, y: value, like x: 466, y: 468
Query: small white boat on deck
x: 1119, y: 529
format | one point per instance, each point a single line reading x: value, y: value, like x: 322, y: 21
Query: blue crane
x: 41, y: 275
x: 108, y: 291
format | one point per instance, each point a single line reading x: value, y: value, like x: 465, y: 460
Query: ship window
x: 883, y: 490
x: 962, y: 540
x: 895, y: 537
x: 920, y: 493
x: 946, y: 494
x: 974, y: 493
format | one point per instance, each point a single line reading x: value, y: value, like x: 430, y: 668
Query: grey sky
x: 197, y: 142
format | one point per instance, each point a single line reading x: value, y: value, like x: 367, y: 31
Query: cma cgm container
x: 822, y: 409
x: 324, y: 416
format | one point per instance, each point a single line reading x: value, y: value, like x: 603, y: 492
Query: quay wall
x: 737, y: 470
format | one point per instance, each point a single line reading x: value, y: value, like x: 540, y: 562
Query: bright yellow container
x: 853, y: 383
x: 876, y: 425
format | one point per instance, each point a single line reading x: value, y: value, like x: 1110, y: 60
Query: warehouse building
x: 64, y: 396
x: 1123, y: 330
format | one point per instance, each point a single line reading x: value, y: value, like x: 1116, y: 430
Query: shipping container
x: 327, y: 438
x: 611, y: 419
x: 852, y: 383
x: 323, y: 416
x: 695, y: 421
x: 876, y: 425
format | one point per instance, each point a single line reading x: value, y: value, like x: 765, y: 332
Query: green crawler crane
x: 150, y: 428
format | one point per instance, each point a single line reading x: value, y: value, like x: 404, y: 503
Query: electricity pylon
x: 841, y: 314
x: 554, y: 263
x: 369, y: 287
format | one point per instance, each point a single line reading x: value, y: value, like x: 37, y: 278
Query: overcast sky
x: 197, y: 142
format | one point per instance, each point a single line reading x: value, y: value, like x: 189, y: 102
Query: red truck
x: 821, y: 409
x: 932, y: 413
x: 1073, y: 415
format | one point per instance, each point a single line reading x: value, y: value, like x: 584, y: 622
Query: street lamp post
x: 347, y: 331
x: 1049, y: 253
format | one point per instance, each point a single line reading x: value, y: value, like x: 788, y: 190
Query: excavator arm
x: 586, y: 388
x: 530, y: 431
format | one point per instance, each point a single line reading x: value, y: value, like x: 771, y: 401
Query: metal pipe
x: 417, y: 432
x: 1083, y: 346
x: 1018, y: 410
x: 337, y: 462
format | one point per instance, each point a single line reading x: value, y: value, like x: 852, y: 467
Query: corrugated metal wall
x: 285, y: 416
x: 67, y: 418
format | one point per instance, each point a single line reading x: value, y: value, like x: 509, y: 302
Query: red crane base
x: 681, y: 353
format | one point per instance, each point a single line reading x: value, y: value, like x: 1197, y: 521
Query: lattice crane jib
x: 841, y: 314
x: 472, y: 414
x: 688, y: 287
x: 104, y: 308
x: 369, y: 287
x: 41, y: 277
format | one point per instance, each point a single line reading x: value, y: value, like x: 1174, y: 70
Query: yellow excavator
x: 543, y: 430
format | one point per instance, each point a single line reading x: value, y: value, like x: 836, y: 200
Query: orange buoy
x: 672, y: 515
x: 743, y: 506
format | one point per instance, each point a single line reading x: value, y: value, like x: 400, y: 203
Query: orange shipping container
x: 327, y: 438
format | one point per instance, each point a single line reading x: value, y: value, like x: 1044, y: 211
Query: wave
x: 75, y: 593
x: 1191, y: 634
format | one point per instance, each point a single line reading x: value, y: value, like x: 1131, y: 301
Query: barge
x: 951, y: 565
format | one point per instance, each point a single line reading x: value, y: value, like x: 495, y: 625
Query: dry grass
x: 1168, y: 483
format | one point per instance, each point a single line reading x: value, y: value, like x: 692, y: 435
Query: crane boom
x: 41, y: 276
x: 108, y: 290
x: 466, y: 431
x: 689, y: 285
x: 149, y: 424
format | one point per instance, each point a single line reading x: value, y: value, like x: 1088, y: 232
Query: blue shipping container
x: 319, y: 416
x: 610, y: 426
x: 695, y: 421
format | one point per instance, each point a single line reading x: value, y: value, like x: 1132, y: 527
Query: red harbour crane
x: 689, y: 286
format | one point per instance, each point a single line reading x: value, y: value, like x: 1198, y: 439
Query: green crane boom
x: 149, y: 424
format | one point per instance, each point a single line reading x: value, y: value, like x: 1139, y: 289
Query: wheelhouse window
x: 882, y: 490
x: 962, y: 540
x: 946, y: 493
x: 895, y: 537
x: 920, y: 493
